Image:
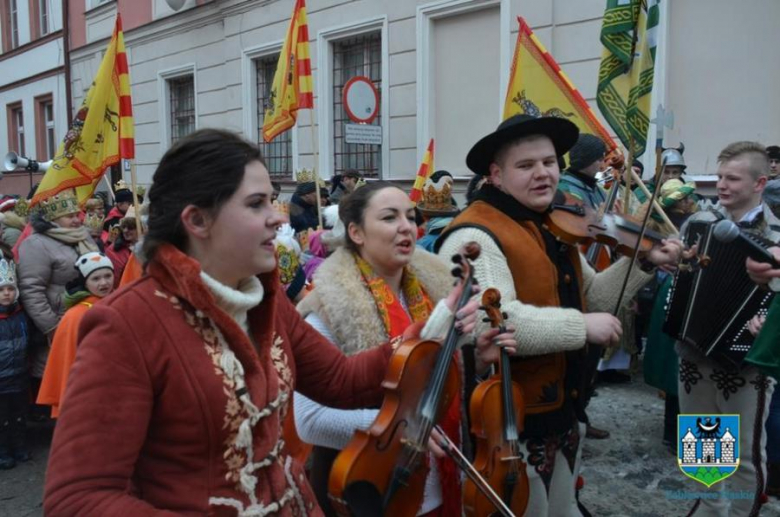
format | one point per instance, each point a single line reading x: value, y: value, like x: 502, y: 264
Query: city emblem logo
x: 708, y: 446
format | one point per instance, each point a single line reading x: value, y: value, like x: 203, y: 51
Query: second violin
x: 497, y: 411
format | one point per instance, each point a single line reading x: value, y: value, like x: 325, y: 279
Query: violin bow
x: 635, y: 254
x: 466, y: 466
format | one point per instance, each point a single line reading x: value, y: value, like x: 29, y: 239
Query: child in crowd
x: 13, y: 370
x: 95, y: 281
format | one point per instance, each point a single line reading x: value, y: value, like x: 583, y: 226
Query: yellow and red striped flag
x: 101, y: 134
x: 538, y: 87
x: 425, y: 170
x: 293, y: 85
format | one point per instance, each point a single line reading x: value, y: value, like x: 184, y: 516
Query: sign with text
x: 363, y: 134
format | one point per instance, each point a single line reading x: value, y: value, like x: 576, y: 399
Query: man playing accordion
x: 710, y: 386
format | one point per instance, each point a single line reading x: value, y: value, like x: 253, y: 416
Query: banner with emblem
x: 629, y: 36
x: 538, y: 87
x: 101, y: 134
x: 292, y: 88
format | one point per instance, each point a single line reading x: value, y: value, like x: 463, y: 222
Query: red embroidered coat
x: 149, y: 421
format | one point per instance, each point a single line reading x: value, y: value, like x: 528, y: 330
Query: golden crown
x: 63, y: 203
x: 308, y: 176
x: 93, y: 222
x: 437, y: 199
x: 22, y: 208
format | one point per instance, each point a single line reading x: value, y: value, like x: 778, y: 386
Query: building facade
x: 32, y: 84
x: 440, y: 67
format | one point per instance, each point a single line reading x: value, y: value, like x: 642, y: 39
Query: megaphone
x: 175, y: 4
x: 13, y: 161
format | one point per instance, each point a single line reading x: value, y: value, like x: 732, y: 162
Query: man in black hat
x: 343, y: 184
x: 544, y: 287
x: 773, y: 151
x: 303, y: 207
x: 586, y: 158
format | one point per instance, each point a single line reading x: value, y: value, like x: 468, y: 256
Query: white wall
x: 719, y: 86
x: 55, y: 85
x: 723, y: 76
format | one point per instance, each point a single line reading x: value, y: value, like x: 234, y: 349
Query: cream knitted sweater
x: 542, y: 330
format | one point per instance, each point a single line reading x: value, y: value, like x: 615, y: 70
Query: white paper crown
x: 7, y: 273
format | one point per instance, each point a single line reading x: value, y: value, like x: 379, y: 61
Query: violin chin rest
x: 364, y: 499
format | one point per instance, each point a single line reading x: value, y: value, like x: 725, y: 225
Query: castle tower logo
x: 708, y: 446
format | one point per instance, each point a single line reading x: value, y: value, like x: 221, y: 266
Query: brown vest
x: 536, y: 283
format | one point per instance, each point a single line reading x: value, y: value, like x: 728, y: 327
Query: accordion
x: 709, y: 305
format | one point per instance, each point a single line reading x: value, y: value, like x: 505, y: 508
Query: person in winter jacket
x: 95, y: 281
x: 13, y: 370
x: 46, y: 261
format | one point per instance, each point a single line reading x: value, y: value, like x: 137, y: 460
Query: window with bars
x: 14, y: 22
x: 181, y: 91
x: 43, y: 17
x: 357, y: 56
x: 278, y: 152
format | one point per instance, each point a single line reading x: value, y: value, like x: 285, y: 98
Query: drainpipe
x: 66, y: 62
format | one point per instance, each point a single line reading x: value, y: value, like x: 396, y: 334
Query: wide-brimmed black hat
x: 562, y: 133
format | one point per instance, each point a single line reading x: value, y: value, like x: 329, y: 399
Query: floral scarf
x: 391, y: 310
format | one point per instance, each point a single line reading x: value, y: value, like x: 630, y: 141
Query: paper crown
x: 93, y: 222
x: 288, y: 252
x: 7, y: 273
x: 122, y: 185
x: 63, y: 203
x: 308, y: 176
x: 437, y: 197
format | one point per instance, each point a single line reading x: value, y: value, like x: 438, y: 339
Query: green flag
x: 625, y: 83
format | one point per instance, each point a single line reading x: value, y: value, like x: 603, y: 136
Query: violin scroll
x: 491, y: 304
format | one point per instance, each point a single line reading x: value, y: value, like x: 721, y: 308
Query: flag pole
x: 134, y: 186
x: 316, y: 157
x: 628, y: 177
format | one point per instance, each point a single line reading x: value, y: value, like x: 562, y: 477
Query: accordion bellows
x: 709, y: 305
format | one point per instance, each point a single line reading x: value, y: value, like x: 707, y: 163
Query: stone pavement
x: 627, y: 475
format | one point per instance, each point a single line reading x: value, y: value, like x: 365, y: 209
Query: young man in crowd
x: 707, y: 387
x: 545, y: 286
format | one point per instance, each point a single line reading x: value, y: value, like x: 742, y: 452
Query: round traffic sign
x: 361, y: 100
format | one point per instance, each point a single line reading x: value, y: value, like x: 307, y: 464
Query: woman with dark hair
x: 370, y: 290
x: 182, y: 379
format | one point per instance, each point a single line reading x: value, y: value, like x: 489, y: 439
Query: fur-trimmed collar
x: 179, y: 274
x: 346, y: 306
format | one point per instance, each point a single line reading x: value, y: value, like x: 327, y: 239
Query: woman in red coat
x: 182, y: 379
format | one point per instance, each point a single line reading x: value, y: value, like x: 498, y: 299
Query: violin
x: 497, y: 411
x: 573, y: 223
x: 382, y: 471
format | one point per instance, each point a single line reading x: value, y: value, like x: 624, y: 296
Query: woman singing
x: 369, y: 291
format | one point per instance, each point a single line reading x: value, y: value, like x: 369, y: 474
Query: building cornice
x: 32, y: 78
x: 31, y: 45
x: 185, y: 21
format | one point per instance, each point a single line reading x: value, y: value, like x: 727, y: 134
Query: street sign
x: 361, y: 100
x: 363, y: 134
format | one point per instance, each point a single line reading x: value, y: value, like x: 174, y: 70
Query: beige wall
x: 723, y: 78
x: 717, y: 76
x: 465, y: 84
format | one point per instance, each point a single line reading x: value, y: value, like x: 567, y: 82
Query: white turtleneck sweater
x: 236, y: 303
